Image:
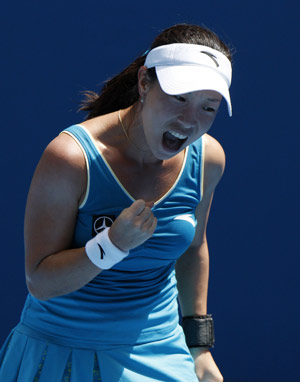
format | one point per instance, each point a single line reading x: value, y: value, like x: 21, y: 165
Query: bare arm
x: 192, y: 269
x: 57, y: 187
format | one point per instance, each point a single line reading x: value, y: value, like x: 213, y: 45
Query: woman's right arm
x: 58, y: 186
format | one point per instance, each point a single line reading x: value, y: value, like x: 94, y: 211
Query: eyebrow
x: 213, y: 99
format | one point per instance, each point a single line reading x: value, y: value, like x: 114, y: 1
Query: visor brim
x: 183, y: 79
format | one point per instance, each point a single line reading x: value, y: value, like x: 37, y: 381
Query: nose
x: 188, y: 119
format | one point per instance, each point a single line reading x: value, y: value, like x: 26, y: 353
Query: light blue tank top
x: 136, y: 300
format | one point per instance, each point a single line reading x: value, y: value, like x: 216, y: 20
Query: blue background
x: 51, y: 51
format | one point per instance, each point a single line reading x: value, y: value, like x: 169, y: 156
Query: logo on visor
x: 214, y: 58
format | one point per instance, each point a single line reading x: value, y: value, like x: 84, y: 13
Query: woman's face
x: 173, y: 122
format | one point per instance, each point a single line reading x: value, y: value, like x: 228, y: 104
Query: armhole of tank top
x: 87, y: 191
x: 202, y: 167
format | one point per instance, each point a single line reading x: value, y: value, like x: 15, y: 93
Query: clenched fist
x: 133, y: 226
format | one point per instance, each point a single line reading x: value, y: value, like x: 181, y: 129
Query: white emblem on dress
x: 101, y: 223
x: 188, y: 218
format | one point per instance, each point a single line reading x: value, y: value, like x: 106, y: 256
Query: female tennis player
x: 115, y: 226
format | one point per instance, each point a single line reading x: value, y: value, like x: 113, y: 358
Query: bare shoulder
x: 62, y: 166
x: 65, y: 150
x: 214, y: 162
x: 56, y: 190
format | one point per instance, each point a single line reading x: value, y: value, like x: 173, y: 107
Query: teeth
x: 177, y: 135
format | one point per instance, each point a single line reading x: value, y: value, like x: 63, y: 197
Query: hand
x: 133, y: 226
x: 206, y: 368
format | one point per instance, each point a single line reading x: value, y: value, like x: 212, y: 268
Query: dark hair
x: 121, y: 91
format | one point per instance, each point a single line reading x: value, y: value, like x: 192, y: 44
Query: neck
x: 136, y: 146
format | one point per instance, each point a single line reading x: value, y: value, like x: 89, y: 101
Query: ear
x: 143, y: 81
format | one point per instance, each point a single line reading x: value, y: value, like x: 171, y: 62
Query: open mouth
x: 173, y: 141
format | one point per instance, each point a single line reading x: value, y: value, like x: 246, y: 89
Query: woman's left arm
x: 192, y: 269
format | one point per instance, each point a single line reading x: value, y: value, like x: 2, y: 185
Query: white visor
x: 184, y: 68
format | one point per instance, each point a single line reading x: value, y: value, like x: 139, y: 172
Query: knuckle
x: 148, y: 210
x: 139, y: 203
x: 136, y: 225
x: 145, y: 230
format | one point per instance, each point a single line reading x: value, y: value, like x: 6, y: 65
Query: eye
x: 209, y: 109
x: 180, y: 98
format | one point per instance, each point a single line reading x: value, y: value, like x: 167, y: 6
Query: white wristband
x: 102, y: 252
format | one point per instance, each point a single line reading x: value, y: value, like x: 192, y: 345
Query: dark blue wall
x: 50, y: 51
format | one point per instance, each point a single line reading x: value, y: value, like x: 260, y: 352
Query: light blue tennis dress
x: 123, y: 325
